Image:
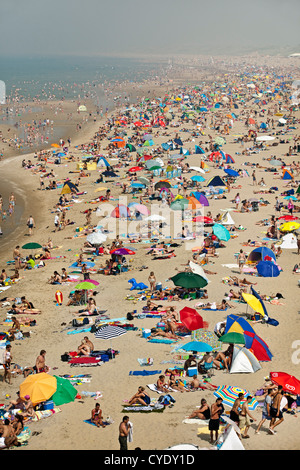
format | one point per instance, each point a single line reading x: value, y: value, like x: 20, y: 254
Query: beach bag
x: 272, y: 321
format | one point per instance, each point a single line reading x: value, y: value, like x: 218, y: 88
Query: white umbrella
x: 96, y: 238
x: 197, y: 168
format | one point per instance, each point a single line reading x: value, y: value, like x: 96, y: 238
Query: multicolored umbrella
x: 230, y: 393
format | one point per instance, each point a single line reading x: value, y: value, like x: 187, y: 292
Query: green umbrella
x: 65, y: 392
x: 233, y: 338
x: 179, y: 204
x: 85, y: 285
x: 31, y: 246
x: 189, y: 280
x: 155, y: 167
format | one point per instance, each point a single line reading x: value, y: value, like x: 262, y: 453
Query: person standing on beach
x: 124, y: 429
x: 266, y: 409
x: 217, y: 409
x: 30, y: 224
x: 254, y: 178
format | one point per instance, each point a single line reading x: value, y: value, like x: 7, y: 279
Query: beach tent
x: 226, y: 219
x: 121, y: 211
x: 102, y: 162
x: 230, y: 440
x: 228, y: 158
x: 243, y: 361
x: 289, y: 242
x: 287, y: 175
x: 130, y: 147
x: 216, y: 181
x: 259, y: 254
x: 68, y: 187
x: 199, y: 150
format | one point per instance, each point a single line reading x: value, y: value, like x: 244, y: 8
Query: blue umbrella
x: 197, y: 346
x: 221, y: 232
x: 267, y: 269
x: 197, y: 178
x: 231, y: 172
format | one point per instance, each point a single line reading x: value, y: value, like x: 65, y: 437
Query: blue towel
x: 144, y: 372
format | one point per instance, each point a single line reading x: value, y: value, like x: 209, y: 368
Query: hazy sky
x: 104, y: 27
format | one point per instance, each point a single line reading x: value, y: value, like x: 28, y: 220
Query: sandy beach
x: 158, y: 430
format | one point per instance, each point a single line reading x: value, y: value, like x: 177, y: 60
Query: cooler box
x: 48, y: 405
x: 192, y: 371
x: 146, y: 333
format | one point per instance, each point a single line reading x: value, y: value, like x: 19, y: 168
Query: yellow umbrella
x: 40, y: 387
x: 254, y: 303
x: 289, y: 227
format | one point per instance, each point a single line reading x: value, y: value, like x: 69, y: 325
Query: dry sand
x: 66, y: 430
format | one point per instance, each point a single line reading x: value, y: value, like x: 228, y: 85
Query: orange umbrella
x: 194, y: 204
x: 55, y: 145
x: 39, y: 387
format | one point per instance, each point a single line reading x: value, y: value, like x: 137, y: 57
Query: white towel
x: 130, y: 434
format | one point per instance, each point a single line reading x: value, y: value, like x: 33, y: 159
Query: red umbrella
x: 135, y: 168
x: 288, y: 382
x: 191, y: 318
x: 288, y: 218
x: 204, y: 219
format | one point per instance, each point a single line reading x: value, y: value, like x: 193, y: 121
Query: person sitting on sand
x: 161, y: 384
x: 16, y: 327
x: 141, y: 396
x: 203, y: 412
x: 75, y: 298
x: 175, y: 384
x: 28, y: 408
x: 84, y: 349
x: 90, y: 310
x: 96, y: 416
x: 55, y: 279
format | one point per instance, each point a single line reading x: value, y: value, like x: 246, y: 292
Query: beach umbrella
x: 85, y: 285
x: 96, y: 283
x: 235, y: 323
x: 189, y: 280
x: 293, y: 198
x: 275, y: 162
x: 254, y: 303
x: 96, y: 238
x: 40, y: 387
x: 137, y: 185
x: 257, y: 346
x: 155, y: 218
x: 259, y: 254
x: 112, y: 174
x: 289, y: 227
x: 287, y: 381
x: 197, y: 346
x: 198, y: 178
x: 288, y: 218
x: 221, y: 232
x: 162, y: 184
x: 191, y: 318
x: 230, y: 393
x: 144, y: 180
x: 232, y: 338
x: 120, y: 211
x: 141, y: 208
x: 31, y: 246
x: 220, y: 141
x: 135, y: 168
x: 179, y: 204
x: 231, y: 172
x: 267, y: 269
x: 65, y: 391
x: 109, y: 332
x: 122, y: 251
x: 204, y: 219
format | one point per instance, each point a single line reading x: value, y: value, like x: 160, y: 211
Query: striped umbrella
x: 229, y: 394
x: 109, y: 332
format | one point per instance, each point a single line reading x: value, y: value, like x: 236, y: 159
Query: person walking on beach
x: 254, y: 178
x: 235, y: 410
x: 275, y: 410
x: 30, y: 224
x: 244, y: 421
x: 266, y: 409
x: 124, y: 429
x: 241, y: 260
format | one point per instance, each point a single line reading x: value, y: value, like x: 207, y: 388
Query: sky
x: 152, y: 27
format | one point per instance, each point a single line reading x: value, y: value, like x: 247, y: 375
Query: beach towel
x: 195, y: 421
x: 85, y: 362
x: 88, y: 421
x: 45, y: 414
x: 166, y: 341
x: 144, y: 372
x: 153, y: 388
x: 143, y: 409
